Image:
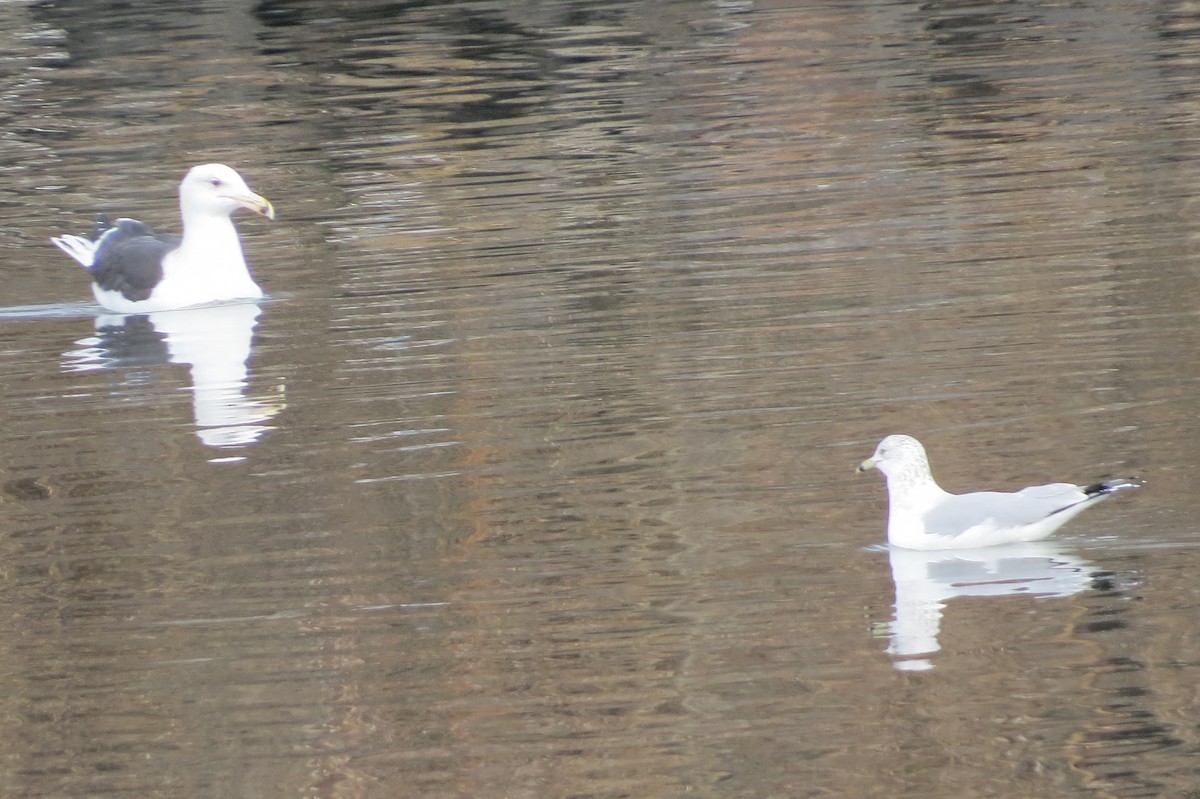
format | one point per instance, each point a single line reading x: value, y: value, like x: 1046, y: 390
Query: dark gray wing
x: 129, y: 258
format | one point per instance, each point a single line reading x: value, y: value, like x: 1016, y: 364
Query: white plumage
x: 135, y: 270
x: 921, y: 515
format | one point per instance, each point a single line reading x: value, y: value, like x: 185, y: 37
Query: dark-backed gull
x: 135, y: 270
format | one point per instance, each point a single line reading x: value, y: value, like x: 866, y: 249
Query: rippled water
x: 534, y: 478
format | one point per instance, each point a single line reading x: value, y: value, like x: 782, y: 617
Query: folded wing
x: 998, y: 510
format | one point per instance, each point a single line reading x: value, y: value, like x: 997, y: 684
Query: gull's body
x: 135, y: 270
x: 922, y: 515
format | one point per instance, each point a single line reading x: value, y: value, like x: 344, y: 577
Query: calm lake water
x: 535, y: 476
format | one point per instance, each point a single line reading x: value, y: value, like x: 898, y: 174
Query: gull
x: 921, y: 515
x: 135, y: 270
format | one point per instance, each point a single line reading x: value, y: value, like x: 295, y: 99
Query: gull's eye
x: 215, y: 181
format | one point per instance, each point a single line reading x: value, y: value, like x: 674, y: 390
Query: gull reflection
x: 925, y: 580
x: 213, y: 341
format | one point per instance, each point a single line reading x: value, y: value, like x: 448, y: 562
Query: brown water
x: 535, y: 478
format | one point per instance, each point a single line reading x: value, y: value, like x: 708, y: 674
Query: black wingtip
x: 1106, y: 487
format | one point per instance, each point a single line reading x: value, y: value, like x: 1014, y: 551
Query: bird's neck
x: 912, y: 490
x: 214, y: 237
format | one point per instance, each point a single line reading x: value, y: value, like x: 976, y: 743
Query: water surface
x: 535, y: 476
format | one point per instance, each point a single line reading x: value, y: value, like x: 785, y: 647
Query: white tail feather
x: 81, y: 249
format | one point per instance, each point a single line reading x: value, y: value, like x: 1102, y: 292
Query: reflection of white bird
x: 135, y: 270
x: 923, y: 516
x: 925, y: 580
x: 215, y: 342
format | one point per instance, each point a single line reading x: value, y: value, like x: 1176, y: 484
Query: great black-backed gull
x: 923, y: 516
x: 135, y: 270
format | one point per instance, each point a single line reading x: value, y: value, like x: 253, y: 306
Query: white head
x: 217, y: 190
x: 899, y: 456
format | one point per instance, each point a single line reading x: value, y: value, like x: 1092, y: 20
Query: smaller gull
x: 135, y: 270
x: 923, y: 516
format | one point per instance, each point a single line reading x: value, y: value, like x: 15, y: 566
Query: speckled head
x: 898, y: 455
